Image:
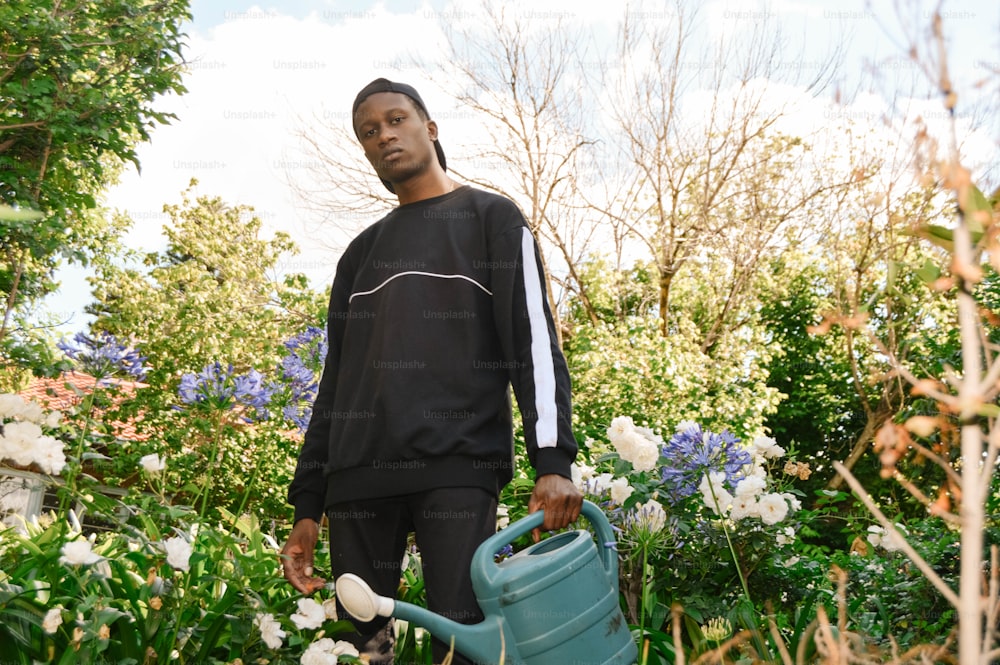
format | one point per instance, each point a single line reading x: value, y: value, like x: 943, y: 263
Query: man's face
x: 397, y: 141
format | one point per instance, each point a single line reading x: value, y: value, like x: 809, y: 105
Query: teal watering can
x: 554, y: 603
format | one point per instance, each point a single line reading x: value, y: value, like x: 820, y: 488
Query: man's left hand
x: 559, y: 498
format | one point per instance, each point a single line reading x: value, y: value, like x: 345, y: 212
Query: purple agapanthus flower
x: 691, y: 453
x: 221, y: 388
x: 103, y: 356
x: 299, y: 369
x: 504, y: 552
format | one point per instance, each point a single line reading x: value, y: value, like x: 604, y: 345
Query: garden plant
x: 793, y: 431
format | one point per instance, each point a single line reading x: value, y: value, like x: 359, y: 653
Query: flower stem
x: 246, y: 492
x: 205, y: 493
x: 729, y: 541
x: 642, y: 599
x: 74, y: 470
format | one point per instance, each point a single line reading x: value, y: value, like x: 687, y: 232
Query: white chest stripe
x: 424, y: 274
x: 546, y: 429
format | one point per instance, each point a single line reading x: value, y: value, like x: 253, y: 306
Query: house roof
x: 68, y: 391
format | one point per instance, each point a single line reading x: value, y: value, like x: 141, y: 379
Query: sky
x: 263, y: 72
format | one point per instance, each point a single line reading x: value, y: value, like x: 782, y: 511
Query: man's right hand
x: 297, y: 557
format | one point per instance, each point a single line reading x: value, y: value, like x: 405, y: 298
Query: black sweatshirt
x: 436, y: 311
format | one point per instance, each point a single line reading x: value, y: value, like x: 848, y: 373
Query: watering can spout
x: 483, y: 642
x: 361, y: 600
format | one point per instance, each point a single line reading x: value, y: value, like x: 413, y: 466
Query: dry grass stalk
x: 677, y: 612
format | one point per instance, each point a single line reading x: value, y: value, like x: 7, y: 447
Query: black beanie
x: 385, y: 85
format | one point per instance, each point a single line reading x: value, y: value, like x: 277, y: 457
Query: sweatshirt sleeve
x: 307, y: 491
x: 538, y: 371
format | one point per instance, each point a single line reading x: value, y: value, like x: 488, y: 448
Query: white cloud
x: 258, y: 75
x: 254, y: 81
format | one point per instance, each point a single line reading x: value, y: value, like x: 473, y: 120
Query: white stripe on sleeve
x: 543, y: 365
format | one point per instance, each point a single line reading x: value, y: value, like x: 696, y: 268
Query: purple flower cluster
x: 103, y: 356
x: 299, y: 369
x: 221, y: 388
x: 692, y: 453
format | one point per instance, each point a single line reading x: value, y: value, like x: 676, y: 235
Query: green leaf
x: 9, y: 214
x: 929, y: 272
x: 939, y: 235
x: 976, y: 202
x: 989, y: 410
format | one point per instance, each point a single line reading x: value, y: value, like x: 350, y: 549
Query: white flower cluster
x: 23, y: 441
x: 638, y: 445
x: 749, y: 498
x: 327, y: 652
x: 649, y: 515
x: 270, y: 630
x: 178, y: 552
x: 589, y: 482
x: 79, y: 552
x: 310, y: 616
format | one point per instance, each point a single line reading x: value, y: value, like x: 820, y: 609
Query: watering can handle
x: 606, y: 545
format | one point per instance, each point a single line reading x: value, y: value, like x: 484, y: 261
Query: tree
x: 213, y: 294
x: 964, y: 426
x: 709, y: 166
x: 78, y: 80
x: 624, y: 366
x: 524, y: 79
x: 210, y: 307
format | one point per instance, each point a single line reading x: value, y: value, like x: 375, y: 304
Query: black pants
x: 368, y: 538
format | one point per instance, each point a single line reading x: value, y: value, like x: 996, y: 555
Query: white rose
x: 626, y: 444
x: 14, y: 407
x: 581, y: 473
x: 644, y: 454
x: 320, y: 652
x: 875, y: 534
x: 345, y: 648
x: 11, y: 406
x: 619, y: 427
x: 152, y: 463
x: 78, y: 553
x: 599, y: 484
x: 793, y: 501
x: 893, y: 541
x: 18, y: 441
x: 33, y: 412
x: 270, y: 630
x: 714, y: 493
x: 772, y: 508
x: 786, y: 536
x: 750, y: 486
x: 52, y: 621
x: 178, y: 552
x: 620, y: 490
x: 743, y: 506
x: 685, y: 425
x: 503, y: 516
x: 52, y: 419
x: 49, y: 455
x: 767, y: 447
x: 310, y: 615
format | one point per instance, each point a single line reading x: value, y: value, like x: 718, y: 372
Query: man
x: 436, y: 310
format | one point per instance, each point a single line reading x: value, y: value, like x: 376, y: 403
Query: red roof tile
x: 58, y: 394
